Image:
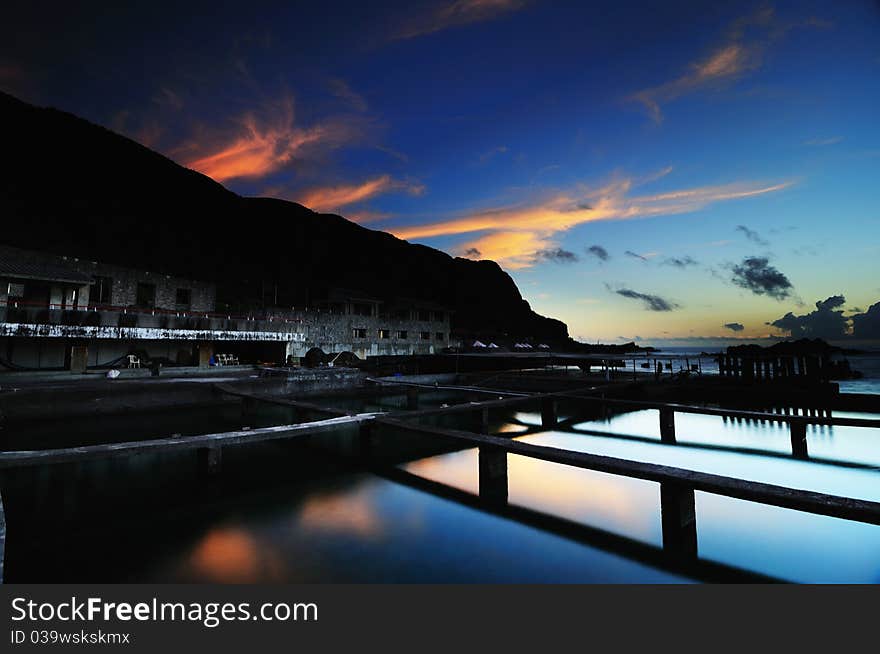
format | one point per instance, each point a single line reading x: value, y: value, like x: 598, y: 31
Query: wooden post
x: 798, y: 438
x: 483, y: 421
x: 493, y: 475
x: 548, y: 412
x: 667, y: 425
x: 678, y: 516
x: 412, y: 398
x: 248, y: 406
x: 210, y: 460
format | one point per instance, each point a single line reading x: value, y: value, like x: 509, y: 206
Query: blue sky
x: 723, y: 157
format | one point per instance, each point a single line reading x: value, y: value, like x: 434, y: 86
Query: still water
x: 288, y: 512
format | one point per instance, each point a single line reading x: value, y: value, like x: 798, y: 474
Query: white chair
x: 133, y: 361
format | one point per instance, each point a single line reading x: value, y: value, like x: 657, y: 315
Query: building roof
x: 46, y: 272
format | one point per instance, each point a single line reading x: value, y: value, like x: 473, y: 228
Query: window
x: 402, y: 335
x: 441, y: 336
x: 426, y: 336
x: 146, y: 295
x: 102, y: 291
x: 359, y: 332
x: 384, y: 333
x: 183, y: 298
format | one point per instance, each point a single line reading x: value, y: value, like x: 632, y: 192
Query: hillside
x: 71, y: 187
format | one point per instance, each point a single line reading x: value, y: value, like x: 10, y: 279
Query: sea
x: 865, y: 361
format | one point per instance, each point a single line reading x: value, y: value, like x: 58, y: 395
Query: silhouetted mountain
x: 71, y: 187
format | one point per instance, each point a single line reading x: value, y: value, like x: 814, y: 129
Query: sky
x: 665, y: 172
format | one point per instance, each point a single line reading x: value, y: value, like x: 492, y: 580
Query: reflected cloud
x: 336, y: 512
x: 231, y: 555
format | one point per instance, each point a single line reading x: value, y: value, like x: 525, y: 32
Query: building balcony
x: 22, y: 319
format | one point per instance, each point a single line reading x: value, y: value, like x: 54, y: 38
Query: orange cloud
x: 333, y: 198
x: 515, y: 249
x: 741, y: 52
x: 365, y: 217
x: 727, y: 62
x: 518, y: 232
x: 456, y: 14
x: 264, y: 143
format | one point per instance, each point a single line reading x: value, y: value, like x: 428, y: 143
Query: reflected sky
x: 780, y: 542
x: 357, y: 527
x: 373, y: 530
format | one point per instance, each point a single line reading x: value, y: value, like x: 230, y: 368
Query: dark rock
x: 71, y: 187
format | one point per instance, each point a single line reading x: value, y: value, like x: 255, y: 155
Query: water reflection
x: 372, y: 530
x: 779, y: 542
x: 322, y: 524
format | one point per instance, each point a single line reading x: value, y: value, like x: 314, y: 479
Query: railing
x: 23, y: 312
x: 677, y: 485
x: 33, y: 308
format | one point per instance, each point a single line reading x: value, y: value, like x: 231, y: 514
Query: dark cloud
x: 826, y: 321
x: 734, y: 326
x: 599, y: 252
x: 680, y: 262
x: 473, y: 252
x: 867, y: 324
x: 752, y: 235
x: 755, y: 274
x: 557, y: 255
x: 635, y: 255
x: 652, y: 302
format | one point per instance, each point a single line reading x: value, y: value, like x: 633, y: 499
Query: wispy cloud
x: 752, y: 235
x: 727, y: 62
x: 741, y: 52
x: 520, y: 230
x: 486, y: 156
x: 262, y: 142
x: 556, y: 255
x: 333, y: 198
x: 647, y: 256
x: 456, y: 14
x: 599, y: 252
x: 650, y: 301
x: 681, y: 262
x: 831, y: 140
x: 342, y: 90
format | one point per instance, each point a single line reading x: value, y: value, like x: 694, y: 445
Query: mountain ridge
x: 72, y: 187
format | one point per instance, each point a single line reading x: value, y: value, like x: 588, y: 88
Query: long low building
x: 60, y: 312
